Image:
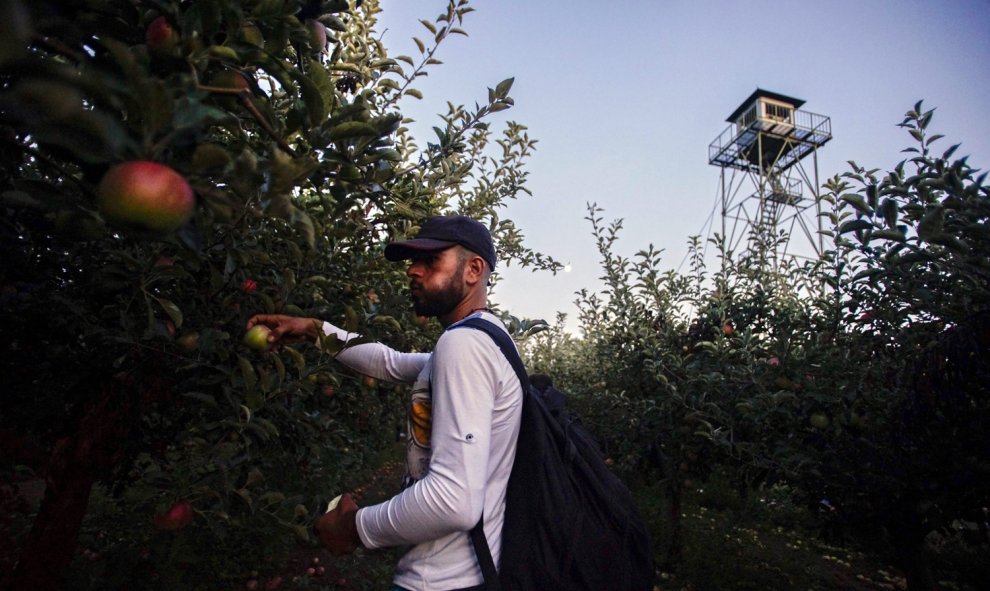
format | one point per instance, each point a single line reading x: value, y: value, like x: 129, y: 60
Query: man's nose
x: 415, y: 269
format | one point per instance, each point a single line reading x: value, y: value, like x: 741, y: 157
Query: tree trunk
x: 77, y: 461
x: 675, y: 551
x: 912, y: 553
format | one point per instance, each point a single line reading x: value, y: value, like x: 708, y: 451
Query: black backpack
x: 570, y: 523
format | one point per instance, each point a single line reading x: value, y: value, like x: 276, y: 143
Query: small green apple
x: 257, y: 337
x: 819, y: 421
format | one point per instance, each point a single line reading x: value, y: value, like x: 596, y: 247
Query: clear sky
x: 625, y: 97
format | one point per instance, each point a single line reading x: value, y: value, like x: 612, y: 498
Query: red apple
x: 161, y: 37
x: 774, y: 361
x: 178, y: 516
x: 249, y: 286
x: 317, y: 34
x: 145, y: 195
x: 273, y: 584
x: 370, y: 382
x: 164, y: 262
x: 728, y: 329
x: 189, y: 341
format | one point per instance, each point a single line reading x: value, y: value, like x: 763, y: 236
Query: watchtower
x: 765, y: 185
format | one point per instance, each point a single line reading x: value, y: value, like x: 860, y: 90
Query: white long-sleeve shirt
x: 464, y: 415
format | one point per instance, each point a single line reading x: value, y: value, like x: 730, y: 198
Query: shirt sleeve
x: 450, y: 498
x: 377, y: 360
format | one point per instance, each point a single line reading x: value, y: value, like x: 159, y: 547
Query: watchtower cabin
x: 767, y: 139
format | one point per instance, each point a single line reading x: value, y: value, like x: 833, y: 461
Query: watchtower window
x: 777, y: 112
x: 747, y: 119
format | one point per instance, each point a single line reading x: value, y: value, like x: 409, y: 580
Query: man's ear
x: 475, y: 270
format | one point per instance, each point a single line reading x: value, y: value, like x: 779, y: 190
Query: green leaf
x: 978, y: 230
x: 194, y: 114
x: 502, y: 90
x: 55, y: 115
x: 414, y: 93
x: 429, y: 26
x: 247, y: 372
x: 388, y: 83
x: 867, y: 274
x: 303, y: 224
x: 352, y: 129
x: 931, y: 224
x: 20, y: 199
x: 223, y: 52
x: 298, y: 359
x: 171, y: 309
x: 319, y: 78
x: 279, y: 368
x: 888, y: 234
x: 854, y: 226
x: 316, y: 108
x: 889, y: 210
x: 301, y: 533
x: 334, y: 22
x: 204, y: 398
x: 858, y: 202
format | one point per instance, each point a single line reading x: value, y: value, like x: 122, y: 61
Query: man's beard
x: 442, y: 301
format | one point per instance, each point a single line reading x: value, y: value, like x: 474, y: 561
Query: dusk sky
x: 625, y: 98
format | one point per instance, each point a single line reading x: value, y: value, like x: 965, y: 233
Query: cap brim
x: 400, y: 251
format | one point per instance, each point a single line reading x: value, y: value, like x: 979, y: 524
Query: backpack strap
x: 504, y: 342
x: 484, y: 553
x: 478, y: 539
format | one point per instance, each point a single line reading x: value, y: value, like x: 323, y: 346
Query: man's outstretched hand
x: 287, y: 329
x: 337, y: 529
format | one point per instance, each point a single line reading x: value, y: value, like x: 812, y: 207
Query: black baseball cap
x: 442, y: 232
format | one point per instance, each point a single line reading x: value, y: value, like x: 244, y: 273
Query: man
x: 464, y: 415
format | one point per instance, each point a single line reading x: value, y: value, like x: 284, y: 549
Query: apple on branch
x: 146, y: 196
x: 178, y: 516
x: 161, y: 37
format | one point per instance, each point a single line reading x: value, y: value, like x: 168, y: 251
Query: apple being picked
x: 145, y: 195
x: 257, y: 337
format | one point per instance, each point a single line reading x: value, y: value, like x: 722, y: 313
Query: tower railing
x: 808, y: 131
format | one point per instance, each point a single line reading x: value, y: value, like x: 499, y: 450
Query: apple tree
x: 668, y: 362
x: 172, y: 453
x: 898, y: 392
